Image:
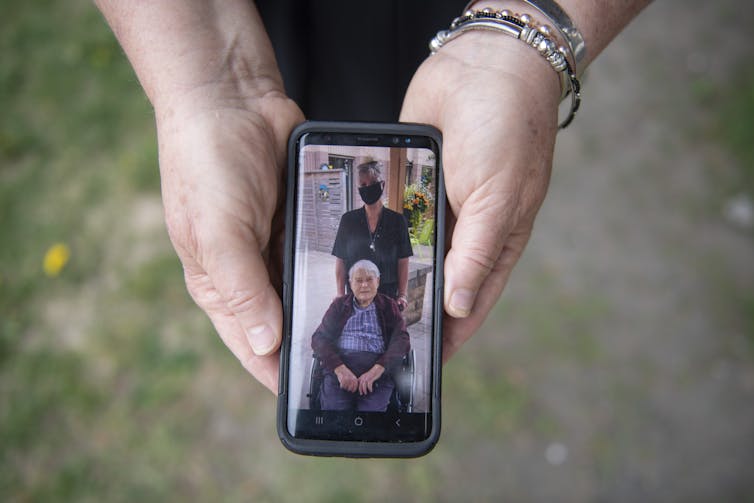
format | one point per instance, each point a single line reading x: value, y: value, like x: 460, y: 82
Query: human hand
x: 221, y: 162
x: 346, y: 378
x: 223, y: 122
x: 495, y: 101
x: 402, y: 303
x: 367, y: 379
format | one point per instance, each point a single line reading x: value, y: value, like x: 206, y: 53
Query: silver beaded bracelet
x: 523, y: 28
x: 563, y: 24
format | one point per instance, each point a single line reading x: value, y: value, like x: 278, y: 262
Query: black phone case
x: 357, y: 449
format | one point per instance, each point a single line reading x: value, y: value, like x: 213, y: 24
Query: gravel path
x: 647, y: 376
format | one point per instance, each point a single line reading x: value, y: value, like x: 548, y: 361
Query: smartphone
x: 362, y: 290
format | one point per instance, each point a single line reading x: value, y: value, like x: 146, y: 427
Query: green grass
x: 70, y: 104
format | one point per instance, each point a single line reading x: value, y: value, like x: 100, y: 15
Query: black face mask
x: 371, y: 193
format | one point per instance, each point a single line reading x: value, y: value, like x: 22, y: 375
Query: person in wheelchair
x: 361, y: 340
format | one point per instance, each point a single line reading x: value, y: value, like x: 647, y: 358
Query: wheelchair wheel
x: 405, y: 383
x: 316, y: 375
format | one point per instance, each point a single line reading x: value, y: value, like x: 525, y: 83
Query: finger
x: 456, y: 331
x: 264, y: 368
x: 239, y: 273
x: 486, y: 210
x: 483, y: 223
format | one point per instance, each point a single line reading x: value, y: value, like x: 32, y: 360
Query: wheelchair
x: 402, y: 399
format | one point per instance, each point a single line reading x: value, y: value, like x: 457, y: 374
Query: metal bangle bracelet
x: 562, y: 22
x: 516, y: 28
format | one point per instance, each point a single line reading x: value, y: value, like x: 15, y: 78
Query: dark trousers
x: 335, y: 398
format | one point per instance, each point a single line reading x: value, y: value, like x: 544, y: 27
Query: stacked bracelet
x: 523, y: 28
x: 563, y: 24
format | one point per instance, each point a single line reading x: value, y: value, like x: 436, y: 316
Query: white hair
x: 366, y: 265
x: 371, y: 169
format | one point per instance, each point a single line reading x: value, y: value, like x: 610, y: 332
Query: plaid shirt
x: 362, y: 331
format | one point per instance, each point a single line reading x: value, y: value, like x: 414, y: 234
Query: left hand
x: 495, y: 100
x: 367, y: 379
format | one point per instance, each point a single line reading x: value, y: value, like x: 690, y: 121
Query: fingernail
x: 262, y: 339
x: 461, y: 301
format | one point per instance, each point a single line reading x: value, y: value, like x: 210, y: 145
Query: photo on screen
x: 368, y: 211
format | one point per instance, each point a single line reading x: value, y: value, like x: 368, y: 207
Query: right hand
x: 221, y: 162
x: 368, y: 378
x: 223, y: 122
x: 346, y: 378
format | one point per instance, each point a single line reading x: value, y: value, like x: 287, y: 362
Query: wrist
x: 560, y: 53
x: 197, y: 52
x: 550, y: 20
x: 179, y: 99
x: 504, y: 59
x: 598, y: 22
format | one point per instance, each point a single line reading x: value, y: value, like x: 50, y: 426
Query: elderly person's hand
x: 367, y: 379
x: 346, y: 378
x: 223, y: 122
x: 221, y: 173
x: 495, y: 100
x: 498, y: 134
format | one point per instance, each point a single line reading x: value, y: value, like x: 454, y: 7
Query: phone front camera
x: 408, y: 140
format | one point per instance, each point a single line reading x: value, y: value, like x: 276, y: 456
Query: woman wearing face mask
x: 374, y: 233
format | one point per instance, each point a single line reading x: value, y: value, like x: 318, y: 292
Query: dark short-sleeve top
x: 391, y: 242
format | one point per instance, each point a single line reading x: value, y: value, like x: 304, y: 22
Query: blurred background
x: 618, y: 366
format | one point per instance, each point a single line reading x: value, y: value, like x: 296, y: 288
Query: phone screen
x: 364, y: 315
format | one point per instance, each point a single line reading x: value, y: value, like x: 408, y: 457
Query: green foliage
x: 427, y: 234
x: 417, y: 198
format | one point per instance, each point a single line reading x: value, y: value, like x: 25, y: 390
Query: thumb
x: 479, y: 234
x: 240, y: 277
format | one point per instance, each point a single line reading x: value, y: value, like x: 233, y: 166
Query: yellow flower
x: 55, y: 259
